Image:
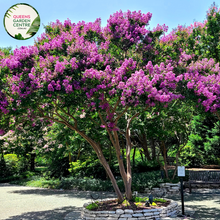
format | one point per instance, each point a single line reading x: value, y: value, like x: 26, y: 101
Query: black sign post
x: 181, y: 174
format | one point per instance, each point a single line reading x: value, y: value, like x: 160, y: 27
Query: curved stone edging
x: 129, y: 214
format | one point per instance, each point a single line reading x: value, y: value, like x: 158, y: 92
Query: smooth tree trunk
x: 145, y: 147
x: 104, y: 163
x: 128, y: 160
x: 163, y: 148
x: 113, y: 135
x: 110, y: 158
x: 121, y: 164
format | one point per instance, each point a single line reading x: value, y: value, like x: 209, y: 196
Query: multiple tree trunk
x: 124, y: 168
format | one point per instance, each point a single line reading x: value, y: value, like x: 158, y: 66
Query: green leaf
x: 34, y: 26
x: 19, y: 36
x: 32, y: 29
x: 36, y: 21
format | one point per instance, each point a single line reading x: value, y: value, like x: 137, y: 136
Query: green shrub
x: 144, y: 166
x: 92, y: 206
x: 41, y: 161
x: 17, y: 178
x: 139, y: 199
x: 89, y: 168
x: 85, y: 184
x: 160, y: 200
x: 58, y: 167
x: 3, y: 170
x: 146, y: 180
x: 12, y: 165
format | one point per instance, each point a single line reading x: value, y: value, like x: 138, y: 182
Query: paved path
x: 30, y: 203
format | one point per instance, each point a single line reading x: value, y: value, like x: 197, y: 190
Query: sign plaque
x: 181, y: 171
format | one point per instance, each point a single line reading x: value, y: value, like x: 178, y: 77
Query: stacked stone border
x: 128, y: 214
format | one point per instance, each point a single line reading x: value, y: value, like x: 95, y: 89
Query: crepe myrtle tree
x: 80, y: 74
x: 5, y: 119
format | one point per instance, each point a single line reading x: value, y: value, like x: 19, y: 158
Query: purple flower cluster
x: 204, y: 78
x: 129, y: 26
x: 3, y: 103
x: 172, y: 36
x: 145, y: 81
x: 72, y: 57
x: 160, y: 28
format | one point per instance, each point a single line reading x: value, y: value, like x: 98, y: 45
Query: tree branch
x: 66, y: 113
x: 116, y: 105
x: 116, y: 120
x: 106, y: 126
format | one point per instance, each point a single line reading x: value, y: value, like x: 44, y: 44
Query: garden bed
x: 110, y: 209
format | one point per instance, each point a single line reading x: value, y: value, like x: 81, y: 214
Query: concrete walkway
x: 30, y: 203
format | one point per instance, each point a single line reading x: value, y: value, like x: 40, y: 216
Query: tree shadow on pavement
x: 194, y: 197
x: 204, y: 212
x: 65, y: 193
x: 55, y: 214
x: 205, y: 205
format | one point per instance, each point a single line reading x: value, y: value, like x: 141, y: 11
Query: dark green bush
x: 58, y: 167
x: 17, y: 177
x: 89, y: 168
x: 144, y: 180
x: 85, y: 184
x: 3, y: 170
x: 144, y: 166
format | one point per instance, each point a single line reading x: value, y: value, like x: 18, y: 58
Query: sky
x: 169, y: 12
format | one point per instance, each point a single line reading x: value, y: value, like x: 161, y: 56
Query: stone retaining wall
x: 165, y: 188
x: 129, y: 214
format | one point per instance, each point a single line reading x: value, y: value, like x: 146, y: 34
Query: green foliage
x: 144, y: 166
x: 89, y: 168
x: 204, y: 142
x: 17, y: 178
x: 138, y: 204
x: 12, y: 165
x: 146, y: 180
x: 92, y: 206
x: 34, y: 26
x: 126, y: 203
x: 85, y: 184
x: 139, y: 199
x: 6, y: 50
x: 41, y: 161
x: 58, y: 167
x: 3, y: 169
x: 160, y: 200
x: 140, y: 182
x: 19, y: 36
